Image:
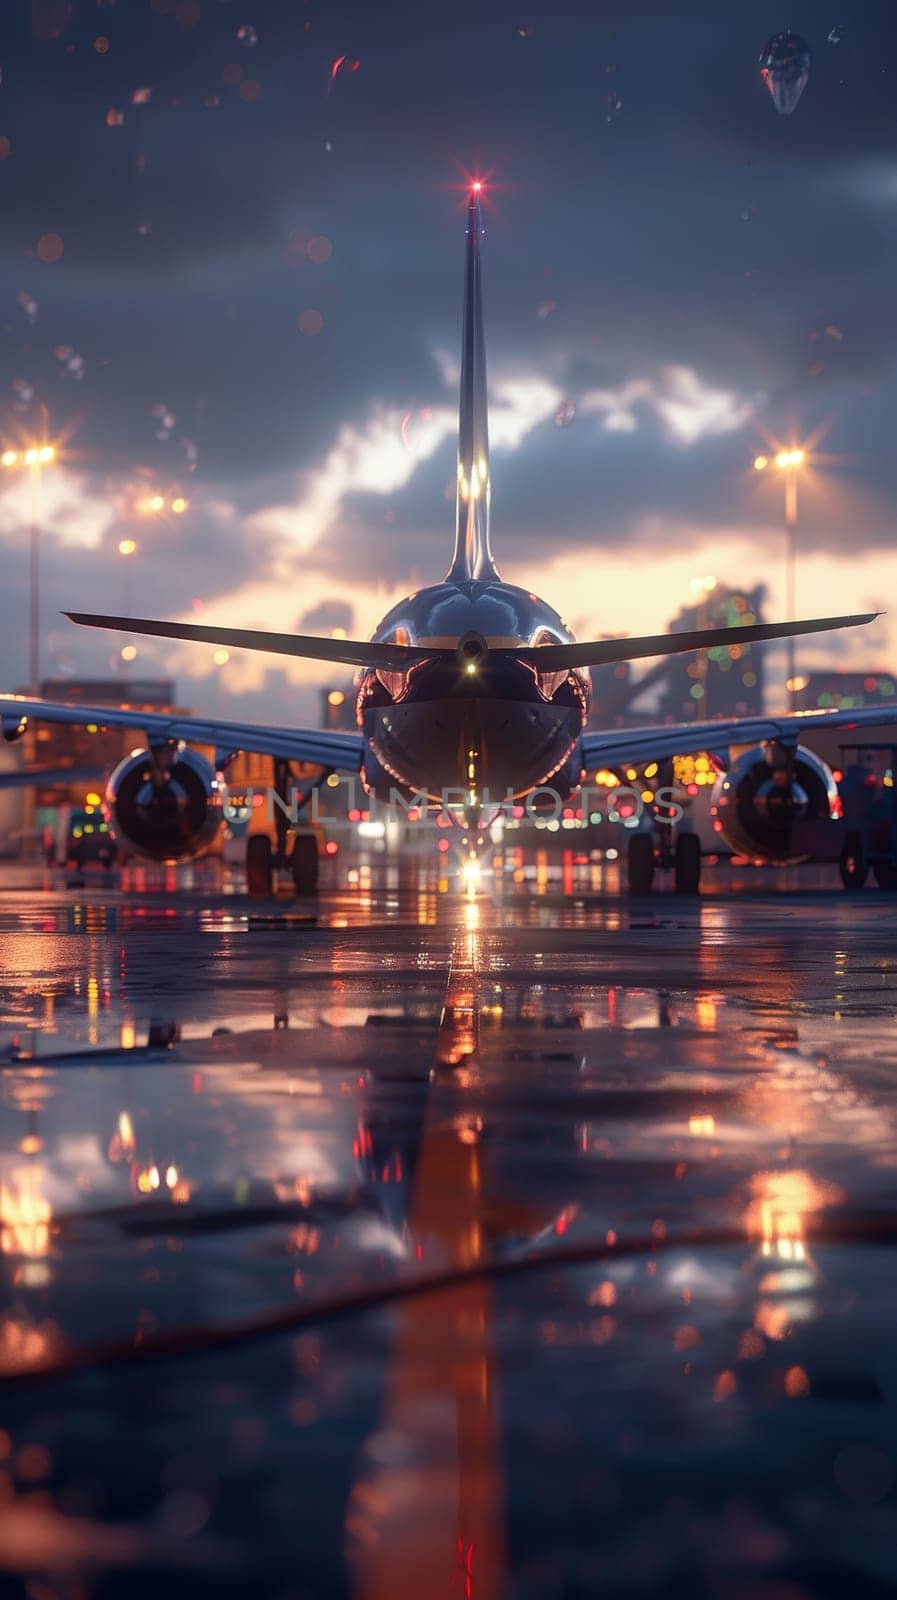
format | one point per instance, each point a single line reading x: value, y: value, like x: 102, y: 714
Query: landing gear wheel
x: 640, y: 863
x: 885, y: 874
x: 259, y: 873
x: 687, y: 869
x: 304, y: 863
x: 853, y: 865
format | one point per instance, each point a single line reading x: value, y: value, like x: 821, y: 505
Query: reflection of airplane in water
x: 472, y: 686
x: 524, y: 1340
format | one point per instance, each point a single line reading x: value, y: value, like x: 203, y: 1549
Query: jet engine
x: 760, y: 806
x: 164, y: 804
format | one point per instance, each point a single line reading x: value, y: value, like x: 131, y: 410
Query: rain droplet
x: 746, y: 216
x: 72, y: 363
x: 29, y: 305
x: 546, y: 308
x: 564, y: 416
x: 247, y: 35
x: 835, y: 35
x: 785, y: 68
x: 114, y: 117
x: 614, y: 105
x: 23, y: 390
x: 340, y: 64
x: 165, y: 420
x: 141, y: 97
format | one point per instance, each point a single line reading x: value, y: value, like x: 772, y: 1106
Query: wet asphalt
x: 533, y: 1245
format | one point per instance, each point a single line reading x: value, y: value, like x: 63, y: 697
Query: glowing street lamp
x: 789, y: 463
x: 157, y: 503
x: 33, y: 457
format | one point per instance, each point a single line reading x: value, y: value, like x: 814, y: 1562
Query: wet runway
x: 526, y: 1247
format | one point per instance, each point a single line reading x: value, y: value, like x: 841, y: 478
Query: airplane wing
x: 618, y: 747
x: 342, y: 752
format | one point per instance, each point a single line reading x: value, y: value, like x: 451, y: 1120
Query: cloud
x: 688, y: 408
x: 375, y: 459
x: 326, y: 615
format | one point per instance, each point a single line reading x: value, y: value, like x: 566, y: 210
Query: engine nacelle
x: 766, y: 794
x: 173, y: 817
x: 15, y: 726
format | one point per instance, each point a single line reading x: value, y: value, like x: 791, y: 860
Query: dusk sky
x: 255, y: 304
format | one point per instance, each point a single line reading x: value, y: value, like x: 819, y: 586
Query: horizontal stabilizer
x: 343, y: 652
x: 400, y: 657
x: 600, y: 652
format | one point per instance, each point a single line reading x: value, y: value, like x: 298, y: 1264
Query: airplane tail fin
x: 472, y: 558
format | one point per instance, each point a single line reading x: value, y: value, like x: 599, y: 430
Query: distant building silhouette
x: 831, y: 691
x: 723, y: 682
x: 726, y: 681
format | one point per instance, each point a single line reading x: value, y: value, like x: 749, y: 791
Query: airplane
x: 471, y: 684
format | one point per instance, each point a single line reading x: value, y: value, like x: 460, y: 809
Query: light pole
x: 221, y: 659
x: 788, y: 462
x: 34, y: 458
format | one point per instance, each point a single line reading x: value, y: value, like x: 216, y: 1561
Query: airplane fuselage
x: 490, y: 728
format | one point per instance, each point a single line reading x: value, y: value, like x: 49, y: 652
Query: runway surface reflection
x: 444, y: 1247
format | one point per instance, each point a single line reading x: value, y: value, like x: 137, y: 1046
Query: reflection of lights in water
x: 702, y: 1127
x: 471, y: 873
x: 706, y: 1010
x: 22, y: 1345
x: 25, y: 1216
x: 150, y: 1179
x: 123, y: 1144
x: 781, y: 1201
